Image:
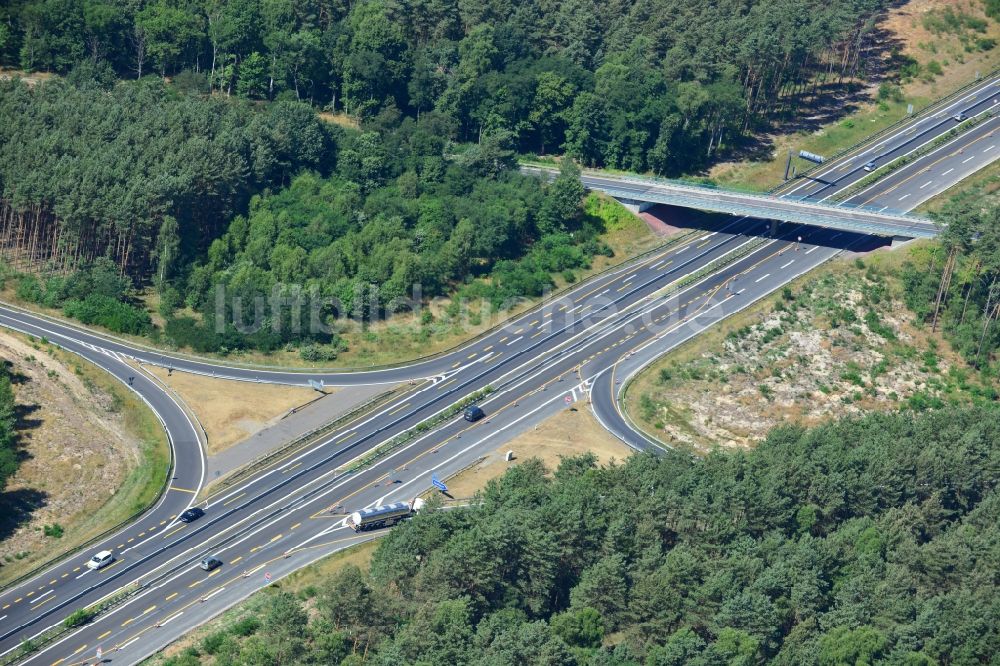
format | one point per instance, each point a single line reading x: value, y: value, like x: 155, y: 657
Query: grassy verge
x: 983, y: 184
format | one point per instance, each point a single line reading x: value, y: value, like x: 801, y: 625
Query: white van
x: 102, y: 559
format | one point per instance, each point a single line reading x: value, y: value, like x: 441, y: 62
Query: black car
x: 473, y: 413
x: 192, y: 515
x: 210, y: 563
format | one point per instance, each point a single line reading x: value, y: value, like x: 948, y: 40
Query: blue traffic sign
x: 437, y: 483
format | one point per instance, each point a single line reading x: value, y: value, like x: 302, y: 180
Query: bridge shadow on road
x: 666, y: 220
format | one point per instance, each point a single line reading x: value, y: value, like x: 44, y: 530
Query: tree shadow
x: 17, y: 507
x: 823, y: 103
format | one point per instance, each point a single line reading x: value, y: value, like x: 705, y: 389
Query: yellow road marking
x: 142, y: 534
x: 5, y: 607
x: 30, y: 593
x: 58, y: 661
x: 473, y: 355
x: 80, y: 649
x: 533, y: 323
x: 289, y: 469
x: 149, y: 610
x: 171, y: 596
x: 66, y: 575
x: 18, y: 600
x: 458, y: 363
x: 350, y: 434
x: 76, y: 569
x: 486, y: 349
x: 504, y: 338
x: 519, y: 331
x: 400, y: 408
x: 213, y: 573
x: 128, y: 621
x: 183, y: 490
x: 104, y: 635
x: 548, y: 314
x: 230, y: 501
x: 450, y: 381
x: 53, y: 581
x: 537, y: 334
x: 276, y: 538
x: 42, y: 603
x: 495, y: 357
x: 112, y: 565
x: 175, y: 531
x: 290, y: 528
x: 236, y: 559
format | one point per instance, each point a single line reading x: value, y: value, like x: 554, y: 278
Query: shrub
x: 79, y: 618
x: 112, y: 314
x: 55, y: 530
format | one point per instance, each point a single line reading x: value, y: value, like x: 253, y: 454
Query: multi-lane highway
x: 290, y: 513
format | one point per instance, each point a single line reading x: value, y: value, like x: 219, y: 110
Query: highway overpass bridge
x: 874, y: 221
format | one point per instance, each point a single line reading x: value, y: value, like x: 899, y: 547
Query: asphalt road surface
x: 291, y: 512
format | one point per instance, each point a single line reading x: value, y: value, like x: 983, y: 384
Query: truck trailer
x: 383, y: 516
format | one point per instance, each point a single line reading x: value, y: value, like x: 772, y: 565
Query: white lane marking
x: 926, y: 184
x: 127, y: 643
x: 657, y: 263
x: 812, y: 249
x: 761, y: 278
x: 986, y: 150
x: 43, y: 595
x: 520, y: 337
x: 882, y: 208
x: 212, y: 594
x: 623, y: 280
x: 903, y: 197
x: 84, y: 574
x: 948, y: 171
x: 682, y: 249
x: 968, y: 159
x: 788, y: 264
x: 706, y: 237
x: 172, y: 618
x: 3, y: 618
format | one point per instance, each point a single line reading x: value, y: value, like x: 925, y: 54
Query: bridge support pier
x: 635, y: 206
x: 774, y: 228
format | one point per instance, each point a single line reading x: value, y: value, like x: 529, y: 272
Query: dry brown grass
x: 568, y: 433
x: 232, y: 411
x: 341, y: 119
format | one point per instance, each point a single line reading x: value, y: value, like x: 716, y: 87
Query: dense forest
x: 648, y: 84
x: 864, y: 541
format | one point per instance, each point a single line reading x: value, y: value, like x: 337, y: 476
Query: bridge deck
x: 848, y: 218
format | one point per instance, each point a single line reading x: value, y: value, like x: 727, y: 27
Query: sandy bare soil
x: 80, y: 451
x: 840, y: 342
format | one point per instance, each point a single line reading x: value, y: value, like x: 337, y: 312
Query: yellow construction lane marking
x: 173, y: 532
x: 18, y: 600
x: 473, y: 355
x: 230, y: 501
x: 537, y: 334
x: 504, y: 338
x: 66, y: 575
x: 450, y: 381
x: 42, y: 603
x: 519, y: 331
x: 458, y: 363
x: 236, y: 559
x: 149, y: 610
x: 276, y: 538
x: 104, y: 635
x: 183, y: 490
x: 80, y: 649
x: 495, y: 357
x: 76, y: 569
x: 171, y: 596
x: 350, y: 434
x: 294, y: 526
x: 58, y: 661
x: 400, y: 408
x: 486, y: 349
x: 533, y: 323
x: 128, y: 621
x: 290, y: 468
x: 30, y: 593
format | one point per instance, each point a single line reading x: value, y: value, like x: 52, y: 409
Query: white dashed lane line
x: 761, y: 278
x: 948, y: 171
x: 903, y: 197
x: 788, y: 264
x: 968, y: 159
x: 926, y: 184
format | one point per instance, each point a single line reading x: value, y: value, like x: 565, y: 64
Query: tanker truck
x: 383, y: 516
